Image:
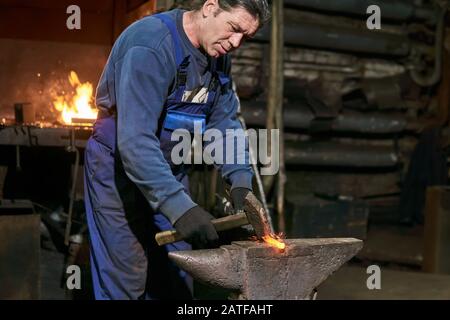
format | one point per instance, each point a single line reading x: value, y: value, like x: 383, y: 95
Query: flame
x: 80, y: 105
x: 274, y: 241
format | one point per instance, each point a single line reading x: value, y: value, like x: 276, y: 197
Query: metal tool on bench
x: 254, y: 214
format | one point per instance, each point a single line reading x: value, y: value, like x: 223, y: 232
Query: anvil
x: 253, y: 270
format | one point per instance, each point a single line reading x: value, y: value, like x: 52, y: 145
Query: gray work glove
x: 238, y: 196
x: 195, y: 226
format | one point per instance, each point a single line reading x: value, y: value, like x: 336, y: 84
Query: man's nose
x: 236, y: 39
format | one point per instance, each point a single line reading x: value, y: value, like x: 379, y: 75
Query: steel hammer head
x: 257, y: 216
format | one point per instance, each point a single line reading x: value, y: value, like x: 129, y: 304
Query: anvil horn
x: 217, y: 267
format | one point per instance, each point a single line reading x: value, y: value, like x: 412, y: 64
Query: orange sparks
x: 272, y: 241
x: 80, y: 105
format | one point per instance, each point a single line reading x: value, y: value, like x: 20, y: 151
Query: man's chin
x: 215, y: 54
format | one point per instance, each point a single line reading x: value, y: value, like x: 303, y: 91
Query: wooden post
x: 436, y: 255
x: 275, y: 99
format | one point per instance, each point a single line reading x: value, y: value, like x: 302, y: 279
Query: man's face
x: 224, y: 30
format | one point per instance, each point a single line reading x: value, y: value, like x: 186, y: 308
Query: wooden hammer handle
x: 221, y: 224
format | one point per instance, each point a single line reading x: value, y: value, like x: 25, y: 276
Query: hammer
x: 253, y: 214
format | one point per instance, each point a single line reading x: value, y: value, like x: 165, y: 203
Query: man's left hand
x: 238, y: 196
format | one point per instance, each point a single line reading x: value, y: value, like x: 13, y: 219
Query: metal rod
x: 275, y: 106
x: 398, y: 10
x: 206, y: 182
x: 72, y: 148
x: 253, y: 161
x: 18, y: 165
x: 212, y: 189
x: 259, y: 182
x: 334, y: 154
x: 300, y: 117
x: 341, y: 39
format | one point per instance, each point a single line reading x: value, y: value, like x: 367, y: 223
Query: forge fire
x: 77, y: 106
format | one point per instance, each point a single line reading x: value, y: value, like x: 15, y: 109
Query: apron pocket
x: 180, y: 120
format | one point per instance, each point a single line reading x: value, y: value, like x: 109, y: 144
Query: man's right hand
x: 195, y: 226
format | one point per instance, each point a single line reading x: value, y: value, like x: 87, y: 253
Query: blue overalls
x: 126, y: 262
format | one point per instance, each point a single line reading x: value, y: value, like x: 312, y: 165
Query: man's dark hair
x: 257, y: 8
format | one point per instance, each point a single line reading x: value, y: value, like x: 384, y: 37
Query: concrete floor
x: 52, y: 265
x: 349, y: 283
x: 399, y: 253
x: 394, y: 244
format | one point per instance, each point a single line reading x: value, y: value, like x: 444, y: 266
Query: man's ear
x: 209, y: 7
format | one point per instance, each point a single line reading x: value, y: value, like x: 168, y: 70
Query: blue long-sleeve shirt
x: 137, y: 80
